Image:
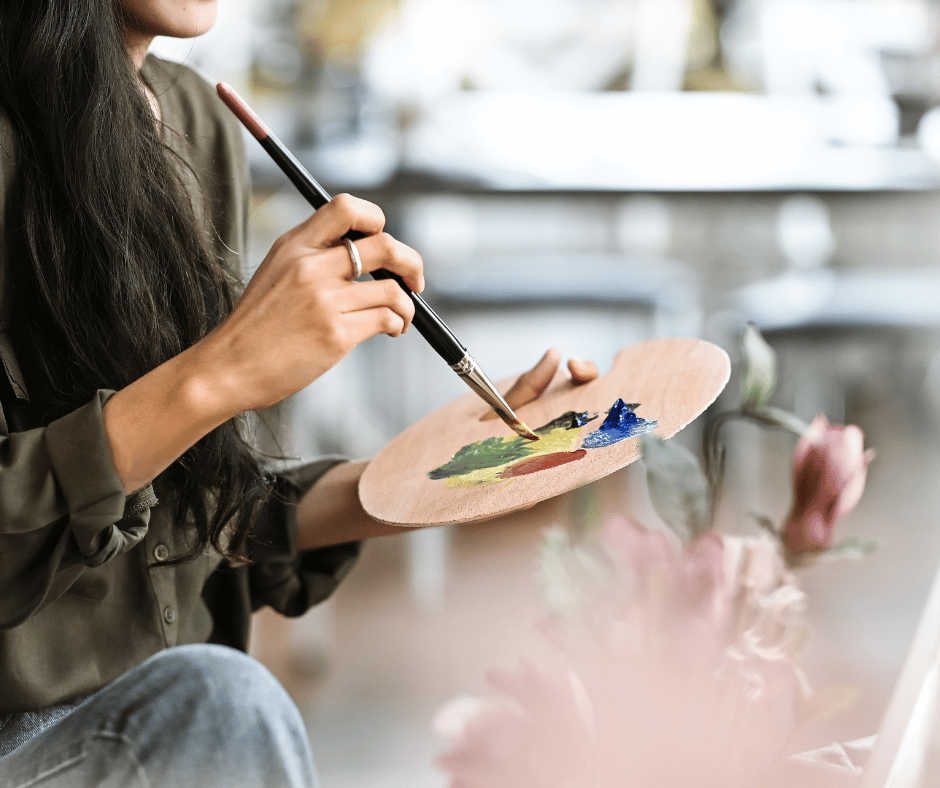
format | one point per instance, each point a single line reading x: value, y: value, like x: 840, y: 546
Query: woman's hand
x: 299, y: 315
x: 301, y: 312
x: 533, y: 383
x: 331, y: 512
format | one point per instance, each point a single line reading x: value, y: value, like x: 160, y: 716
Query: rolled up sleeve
x: 287, y: 579
x: 62, y: 507
x: 95, y: 499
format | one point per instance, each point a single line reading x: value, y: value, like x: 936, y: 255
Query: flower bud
x: 830, y: 465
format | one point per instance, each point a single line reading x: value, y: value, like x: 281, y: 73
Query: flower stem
x: 714, y: 452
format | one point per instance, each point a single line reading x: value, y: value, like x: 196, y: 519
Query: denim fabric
x: 17, y: 729
x: 204, y: 716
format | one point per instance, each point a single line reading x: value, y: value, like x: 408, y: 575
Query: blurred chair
x: 829, y: 300
x: 664, y: 292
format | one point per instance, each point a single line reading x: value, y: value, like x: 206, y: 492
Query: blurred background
x: 587, y: 174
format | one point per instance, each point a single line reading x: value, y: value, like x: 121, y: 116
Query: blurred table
x: 633, y: 142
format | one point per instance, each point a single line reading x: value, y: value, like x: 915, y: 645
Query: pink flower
x: 539, y: 734
x: 679, y: 714
x: 693, y: 579
x: 672, y: 667
x: 638, y: 548
x: 829, y: 469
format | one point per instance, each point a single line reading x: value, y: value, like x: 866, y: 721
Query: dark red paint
x: 541, y: 463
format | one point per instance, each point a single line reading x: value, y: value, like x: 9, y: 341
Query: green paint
x: 494, y: 452
x: 552, y: 442
x: 484, y: 454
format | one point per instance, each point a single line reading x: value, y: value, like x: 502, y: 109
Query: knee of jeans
x: 210, y: 668
x: 216, y: 681
x: 217, y: 709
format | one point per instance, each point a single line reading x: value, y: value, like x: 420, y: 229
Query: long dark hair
x: 111, y: 272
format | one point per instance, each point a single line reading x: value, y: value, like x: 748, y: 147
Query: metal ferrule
x: 464, y: 366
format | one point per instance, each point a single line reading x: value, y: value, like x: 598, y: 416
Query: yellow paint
x: 475, y: 478
x: 557, y: 440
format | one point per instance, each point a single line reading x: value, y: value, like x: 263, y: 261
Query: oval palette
x: 453, y: 467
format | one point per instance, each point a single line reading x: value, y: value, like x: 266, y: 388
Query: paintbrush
x: 429, y: 325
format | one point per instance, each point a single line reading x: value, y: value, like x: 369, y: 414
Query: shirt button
x: 161, y: 552
x: 169, y: 614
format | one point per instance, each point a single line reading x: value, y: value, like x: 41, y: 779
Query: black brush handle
x: 426, y: 320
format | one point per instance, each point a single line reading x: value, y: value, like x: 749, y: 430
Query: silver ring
x: 354, y: 256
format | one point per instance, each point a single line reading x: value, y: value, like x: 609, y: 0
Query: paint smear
x: 474, y: 478
x: 555, y: 441
x: 488, y: 453
x: 502, y: 459
x: 493, y: 452
x: 621, y: 423
x: 558, y: 439
x: 541, y: 463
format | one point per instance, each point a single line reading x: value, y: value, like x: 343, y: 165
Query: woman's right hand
x: 301, y: 312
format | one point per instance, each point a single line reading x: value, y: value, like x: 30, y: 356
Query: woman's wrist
x: 330, y: 513
x: 158, y: 417
x: 206, y: 388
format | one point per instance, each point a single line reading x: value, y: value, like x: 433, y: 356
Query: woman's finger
x: 531, y: 384
x: 582, y: 370
x: 383, y: 251
x: 369, y: 295
x: 340, y: 215
x: 369, y: 322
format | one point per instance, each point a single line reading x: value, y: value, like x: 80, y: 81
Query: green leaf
x: 784, y: 419
x: 759, y: 377
x: 677, y: 486
x: 851, y: 549
x: 766, y: 523
x: 556, y: 579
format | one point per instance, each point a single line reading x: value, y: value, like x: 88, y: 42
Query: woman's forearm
x: 330, y: 512
x: 154, y: 420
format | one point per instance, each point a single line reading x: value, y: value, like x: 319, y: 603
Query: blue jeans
x: 202, y: 716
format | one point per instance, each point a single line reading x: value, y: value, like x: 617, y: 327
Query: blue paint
x: 621, y: 423
x: 580, y: 419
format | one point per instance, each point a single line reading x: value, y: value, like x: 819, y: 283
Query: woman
x: 138, y: 529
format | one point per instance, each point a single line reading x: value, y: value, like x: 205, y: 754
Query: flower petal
x: 813, y: 436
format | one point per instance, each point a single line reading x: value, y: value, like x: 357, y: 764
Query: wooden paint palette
x: 673, y: 380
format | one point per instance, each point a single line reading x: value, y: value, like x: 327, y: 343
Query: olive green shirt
x: 80, y: 599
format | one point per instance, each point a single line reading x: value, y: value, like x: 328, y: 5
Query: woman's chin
x: 172, y: 18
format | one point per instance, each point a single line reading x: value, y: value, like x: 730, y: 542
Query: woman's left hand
x: 532, y: 384
x: 331, y: 512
